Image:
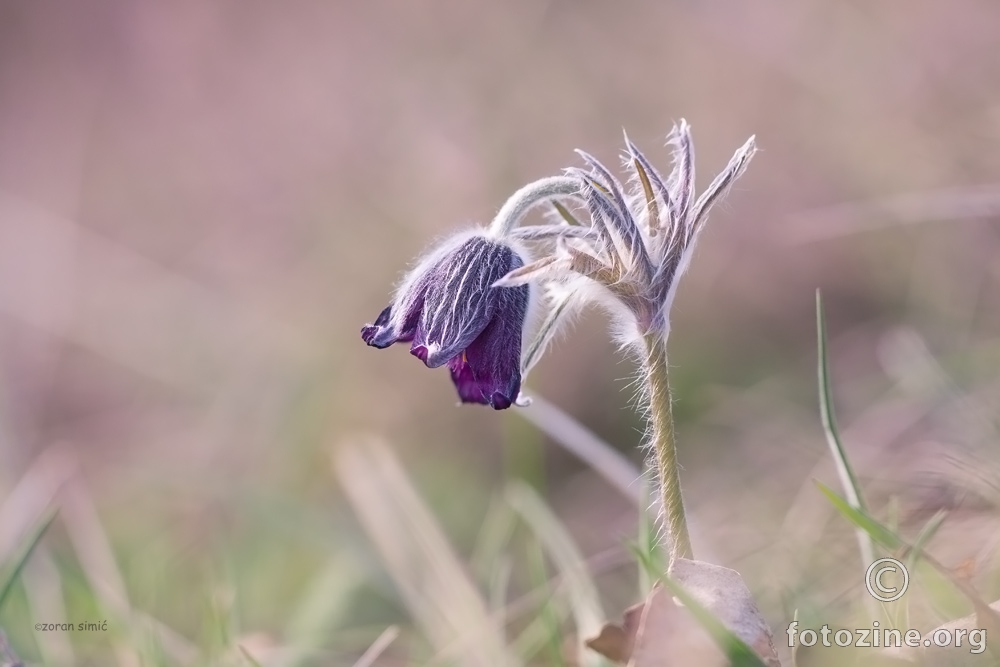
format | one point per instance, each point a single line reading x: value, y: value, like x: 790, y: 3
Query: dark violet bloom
x: 450, y: 312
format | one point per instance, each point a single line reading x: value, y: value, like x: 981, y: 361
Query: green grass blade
x: 926, y: 535
x: 493, y: 539
x: 985, y: 614
x: 872, y: 530
x: 646, y: 549
x: 848, y: 480
x: 736, y: 650
x: 847, y: 477
x: 548, y: 615
x: 326, y: 602
x: 862, y: 520
x: 431, y: 580
x: 553, y: 536
x: 14, y: 572
x: 537, y: 635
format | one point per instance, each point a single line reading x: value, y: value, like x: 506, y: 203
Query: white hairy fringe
x: 533, y: 315
x: 427, y: 259
x: 554, y: 294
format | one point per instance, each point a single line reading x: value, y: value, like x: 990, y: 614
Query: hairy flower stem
x: 661, y: 427
x: 532, y: 194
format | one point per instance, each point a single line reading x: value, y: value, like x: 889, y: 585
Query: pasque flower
x: 465, y: 303
x: 450, y: 312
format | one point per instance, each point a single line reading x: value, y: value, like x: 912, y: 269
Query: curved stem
x: 532, y: 194
x: 661, y: 426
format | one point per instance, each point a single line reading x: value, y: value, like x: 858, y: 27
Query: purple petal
x: 460, y: 300
x: 465, y: 381
x: 370, y: 331
x: 453, y: 314
x: 384, y: 332
x: 490, y: 371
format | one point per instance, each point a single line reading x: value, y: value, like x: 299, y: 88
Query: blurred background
x: 201, y: 203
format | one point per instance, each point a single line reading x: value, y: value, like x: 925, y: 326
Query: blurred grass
x: 16, y: 566
x: 201, y: 203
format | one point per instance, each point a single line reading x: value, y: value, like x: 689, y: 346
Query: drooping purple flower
x: 450, y: 312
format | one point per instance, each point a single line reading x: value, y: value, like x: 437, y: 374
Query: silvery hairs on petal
x: 454, y: 309
x: 459, y: 300
x: 451, y: 313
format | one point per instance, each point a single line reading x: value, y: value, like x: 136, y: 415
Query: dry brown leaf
x: 668, y: 636
x: 722, y: 591
x: 615, y: 642
x: 659, y: 632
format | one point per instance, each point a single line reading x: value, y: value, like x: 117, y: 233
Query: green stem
x: 661, y: 426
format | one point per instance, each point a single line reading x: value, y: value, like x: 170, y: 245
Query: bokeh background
x: 201, y: 203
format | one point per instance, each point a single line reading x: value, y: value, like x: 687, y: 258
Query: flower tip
x: 370, y: 333
x: 379, y: 334
x: 420, y: 352
x: 499, y: 402
x: 429, y: 353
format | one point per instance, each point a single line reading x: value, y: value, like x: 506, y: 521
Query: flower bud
x: 450, y: 312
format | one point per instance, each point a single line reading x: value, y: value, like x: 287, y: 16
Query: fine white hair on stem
x: 532, y: 194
